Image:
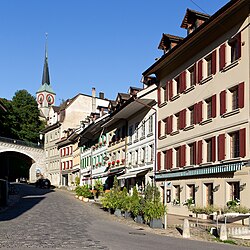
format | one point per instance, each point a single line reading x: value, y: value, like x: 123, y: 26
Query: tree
x: 22, y: 119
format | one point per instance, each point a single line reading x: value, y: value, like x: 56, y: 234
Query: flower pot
x: 80, y: 198
x: 155, y: 223
x: 85, y: 199
x: 139, y: 219
x: 111, y: 210
x: 76, y: 196
x: 127, y: 215
x: 118, y: 212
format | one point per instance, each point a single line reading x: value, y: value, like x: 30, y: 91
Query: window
x: 178, y: 157
x: 209, y: 150
x: 130, y: 133
x: 177, y: 121
x: 191, y: 115
x: 209, y: 65
x: 151, y: 152
x: 235, y: 46
x: 143, y: 129
x: 150, y: 124
x: 177, y: 194
x: 143, y: 153
x: 192, y: 153
x: 129, y: 158
x: 136, y: 156
x: 234, y: 144
x: 191, y: 192
x: 234, y: 98
x: 136, y: 130
x: 177, y: 81
x: 234, y: 190
x: 191, y: 78
x: 208, y: 103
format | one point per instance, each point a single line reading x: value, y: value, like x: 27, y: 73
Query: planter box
x: 85, y: 199
x: 139, y: 219
x: 118, y: 213
x: 80, y: 198
x: 155, y: 223
x: 76, y: 196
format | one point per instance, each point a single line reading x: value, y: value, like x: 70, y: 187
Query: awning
x: 133, y: 174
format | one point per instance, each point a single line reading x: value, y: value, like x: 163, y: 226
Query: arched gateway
x: 32, y: 154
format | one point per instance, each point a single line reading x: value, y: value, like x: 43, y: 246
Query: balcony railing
x: 21, y: 143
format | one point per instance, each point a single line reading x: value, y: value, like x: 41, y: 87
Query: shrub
x: 83, y: 191
x: 153, y: 210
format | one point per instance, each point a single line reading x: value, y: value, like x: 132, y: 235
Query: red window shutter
x: 222, y: 54
x: 239, y: 44
x: 61, y: 151
x: 198, y: 112
x: 159, y: 96
x: 61, y: 166
x: 241, y: 95
x: 158, y: 161
x: 195, y: 113
x: 222, y: 102
x: 213, y: 149
x: 242, y: 135
x: 182, y: 81
x: 170, y: 158
x: 183, y: 119
x: 214, y: 106
x: 195, y: 73
x: 159, y: 129
x: 200, y: 74
x: 170, y: 84
x: 183, y: 155
x: 221, y: 147
x: 170, y: 124
x: 167, y: 91
x: 214, y: 62
x: 199, y: 153
x: 64, y: 151
x: 195, y: 153
x: 166, y: 125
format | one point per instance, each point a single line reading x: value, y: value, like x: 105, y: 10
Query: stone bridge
x: 33, y: 151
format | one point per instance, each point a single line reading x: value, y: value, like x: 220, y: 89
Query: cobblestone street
x: 55, y: 219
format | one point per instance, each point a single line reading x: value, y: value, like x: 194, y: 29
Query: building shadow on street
x: 25, y: 198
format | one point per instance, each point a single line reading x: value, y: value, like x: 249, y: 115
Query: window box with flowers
x: 113, y: 163
x: 96, y: 164
x: 117, y: 162
x: 109, y: 164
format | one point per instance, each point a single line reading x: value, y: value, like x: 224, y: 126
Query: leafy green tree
x: 22, y: 119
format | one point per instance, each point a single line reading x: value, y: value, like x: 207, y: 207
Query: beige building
x: 204, y: 109
x: 62, y: 122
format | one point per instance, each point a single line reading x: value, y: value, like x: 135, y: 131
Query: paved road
x: 55, y: 219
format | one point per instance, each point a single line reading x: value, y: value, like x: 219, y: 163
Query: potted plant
x: 153, y: 209
x: 136, y: 206
x: 98, y: 187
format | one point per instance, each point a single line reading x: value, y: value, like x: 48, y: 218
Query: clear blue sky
x: 91, y: 43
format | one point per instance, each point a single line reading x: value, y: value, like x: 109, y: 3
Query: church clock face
x: 50, y: 99
x: 40, y: 98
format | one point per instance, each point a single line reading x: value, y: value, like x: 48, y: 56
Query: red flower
x: 113, y: 162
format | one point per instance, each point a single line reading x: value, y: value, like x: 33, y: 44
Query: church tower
x: 45, y: 95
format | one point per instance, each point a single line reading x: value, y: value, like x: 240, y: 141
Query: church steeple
x: 45, y: 95
x: 46, y: 65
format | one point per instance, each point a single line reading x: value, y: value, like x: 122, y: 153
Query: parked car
x: 23, y: 180
x: 43, y: 183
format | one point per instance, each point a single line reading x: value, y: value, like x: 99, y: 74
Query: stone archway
x: 32, y: 155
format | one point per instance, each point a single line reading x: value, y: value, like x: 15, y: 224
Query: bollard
x: 186, y: 229
x: 223, y: 232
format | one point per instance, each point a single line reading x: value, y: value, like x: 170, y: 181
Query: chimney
x: 93, y: 92
x: 101, y: 95
x: 93, y: 100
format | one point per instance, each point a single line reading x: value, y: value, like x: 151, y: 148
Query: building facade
x: 203, y: 110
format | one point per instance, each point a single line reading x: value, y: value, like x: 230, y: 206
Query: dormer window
x: 192, y: 20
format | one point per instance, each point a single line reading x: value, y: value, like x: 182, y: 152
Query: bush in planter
x: 98, y: 187
x: 153, y: 210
